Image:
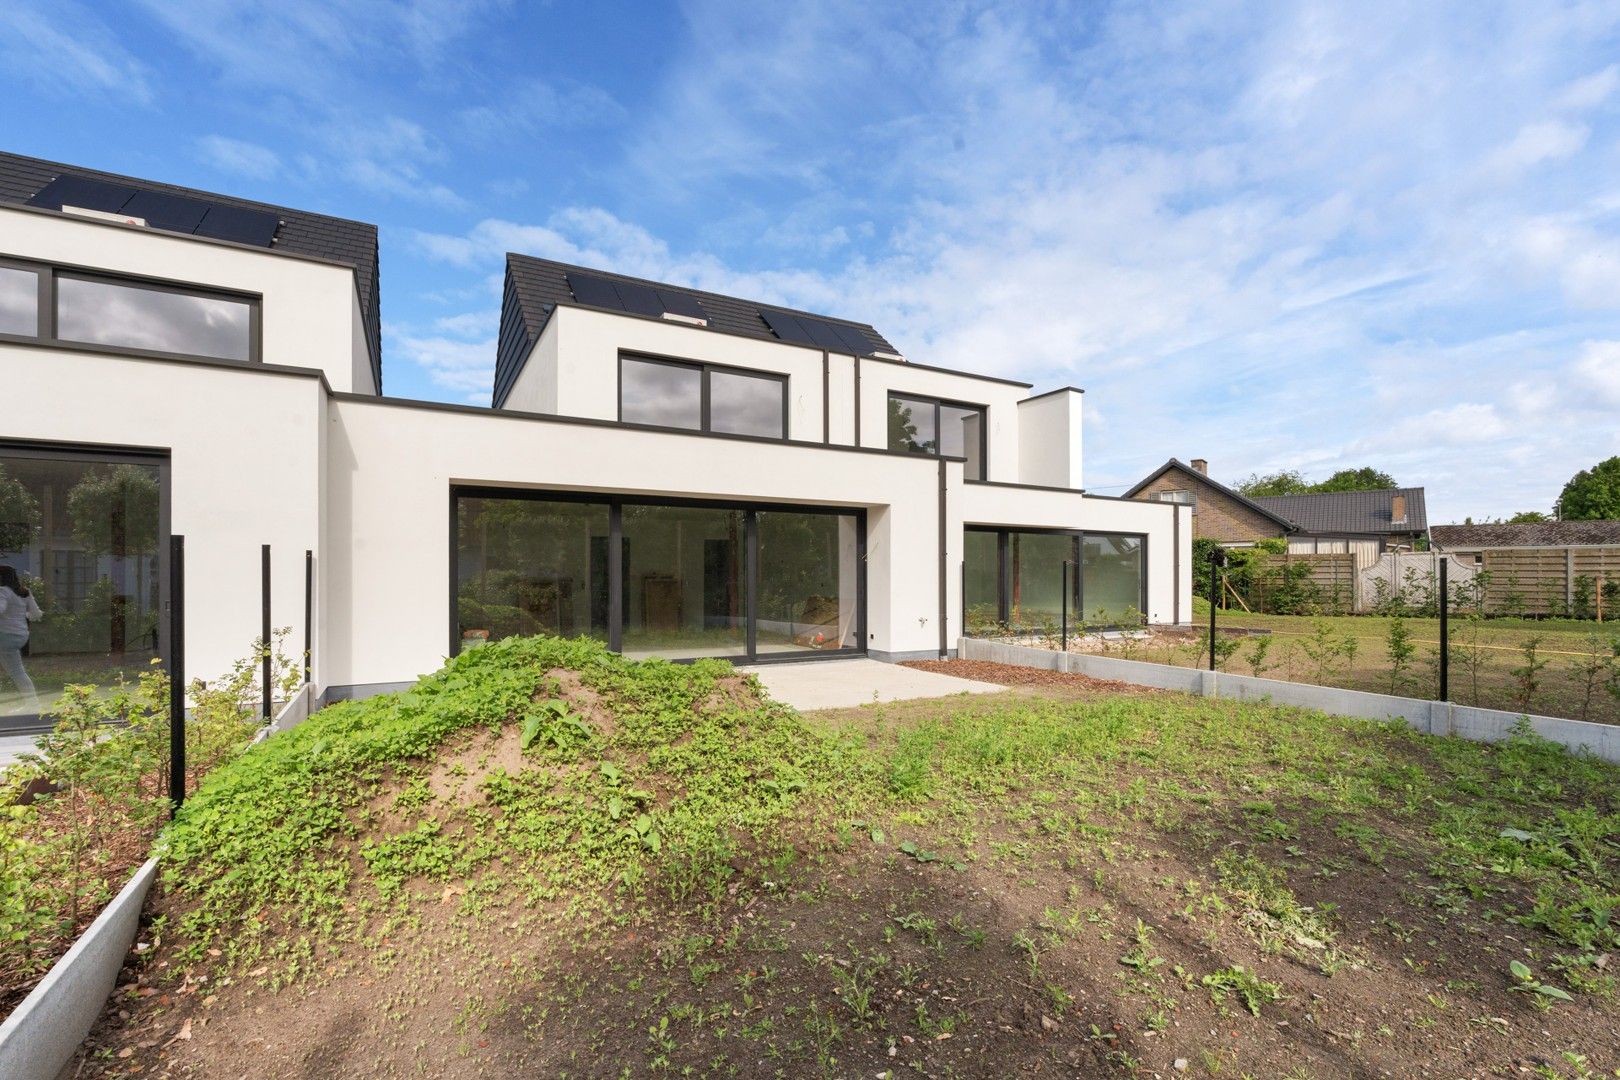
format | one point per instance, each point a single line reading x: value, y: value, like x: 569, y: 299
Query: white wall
x: 1049, y: 439
x: 309, y: 308
x: 244, y: 470
x: 535, y: 389
x: 990, y: 504
x: 391, y: 466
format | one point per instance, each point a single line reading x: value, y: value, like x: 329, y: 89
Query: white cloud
x: 237, y: 156
x: 1547, y: 140
x: 64, y: 48
x: 1590, y: 91
x: 1597, y: 371
x: 454, y: 363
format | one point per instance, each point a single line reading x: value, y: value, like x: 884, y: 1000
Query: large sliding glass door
x: 82, y: 542
x: 1013, y: 579
x: 666, y: 578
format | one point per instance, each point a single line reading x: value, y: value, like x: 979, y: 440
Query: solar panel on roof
x: 854, y: 339
x: 594, y: 291
x: 639, y: 299
x: 822, y: 333
x: 786, y: 327
x: 239, y: 224
x: 162, y: 211
x: 679, y: 303
x: 83, y: 192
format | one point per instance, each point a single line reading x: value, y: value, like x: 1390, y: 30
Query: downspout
x: 857, y: 401
x: 944, y: 636
x: 1175, y: 563
x: 826, y: 403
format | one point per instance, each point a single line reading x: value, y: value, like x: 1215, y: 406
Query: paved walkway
x: 839, y: 684
x: 13, y: 745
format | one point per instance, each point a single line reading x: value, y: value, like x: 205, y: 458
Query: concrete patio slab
x: 840, y: 684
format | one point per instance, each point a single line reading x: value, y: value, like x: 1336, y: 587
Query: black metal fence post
x: 1445, y: 632
x: 177, y: 673
x: 264, y: 573
x: 309, y: 608
x: 1065, y: 605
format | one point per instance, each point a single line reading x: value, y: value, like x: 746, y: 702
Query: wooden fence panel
x: 1544, y: 581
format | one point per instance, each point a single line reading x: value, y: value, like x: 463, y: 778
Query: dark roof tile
x: 1532, y: 534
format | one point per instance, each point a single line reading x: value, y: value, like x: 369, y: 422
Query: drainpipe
x: 944, y: 637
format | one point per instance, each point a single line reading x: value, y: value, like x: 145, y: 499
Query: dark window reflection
x: 912, y: 425
x: 745, y: 404
x: 109, y: 313
x: 19, y: 301
x: 667, y: 395
x: 525, y: 566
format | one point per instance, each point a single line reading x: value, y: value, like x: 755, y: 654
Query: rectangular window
x: 525, y: 566
x: 700, y: 397
x: 1181, y: 498
x: 85, y: 535
x: 807, y: 572
x: 919, y: 425
x: 1014, y: 580
x: 156, y: 319
x: 19, y: 301
x: 677, y: 581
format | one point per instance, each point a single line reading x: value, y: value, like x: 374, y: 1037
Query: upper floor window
x: 702, y: 397
x: 1184, y: 498
x: 920, y: 425
x: 125, y: 314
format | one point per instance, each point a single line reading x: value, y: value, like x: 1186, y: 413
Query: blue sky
x: 1275, y: 236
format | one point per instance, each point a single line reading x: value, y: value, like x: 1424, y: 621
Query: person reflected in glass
x: 18, y: 608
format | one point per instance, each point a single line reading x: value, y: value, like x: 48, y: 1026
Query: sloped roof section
x: 1359, y: 513
x: 1536, y: 534
x: 1197, y: 477
x: 353, y: 243
x: 534, y: 288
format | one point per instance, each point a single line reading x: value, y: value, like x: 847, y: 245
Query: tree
x: 1283, y: 482
x: 115, y: 512
x: 1528, y: 517
x: 19, y: 514
x: 1292, y: 482
x: 1362, y: 479
x: 1592, y: 494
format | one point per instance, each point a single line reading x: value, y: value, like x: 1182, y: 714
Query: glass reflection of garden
x: 83, y: 537
x: 1014, y: 583
x: 527, y: 566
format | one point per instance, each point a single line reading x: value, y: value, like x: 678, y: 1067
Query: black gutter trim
x: 1034, y: 487
x: 1049, y: 393
x: 586, y: 421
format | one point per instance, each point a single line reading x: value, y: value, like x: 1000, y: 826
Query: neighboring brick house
x: 1365, y: 522
x: 1218, y: 512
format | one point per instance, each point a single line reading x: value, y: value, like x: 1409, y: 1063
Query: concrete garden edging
x: 1434, y: 717
x: 42, y: 1034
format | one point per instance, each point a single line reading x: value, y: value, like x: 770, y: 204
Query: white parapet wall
x: 1434, y: 717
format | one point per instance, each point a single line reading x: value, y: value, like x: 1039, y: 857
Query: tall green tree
x: 1282, y: 482
x: 1592, y: 494
x: 1362, y: 479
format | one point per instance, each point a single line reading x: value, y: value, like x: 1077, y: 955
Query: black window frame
x: 1003, y: 535
x: 47, y: 330
x: 616, y: 503
x: 705, y: 414
x: 158, y: 458
x: 928, y: 399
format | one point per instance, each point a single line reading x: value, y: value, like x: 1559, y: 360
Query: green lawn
x: 1578, y: 674
x: 547, y: 860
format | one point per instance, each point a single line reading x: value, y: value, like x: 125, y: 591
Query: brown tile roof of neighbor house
x: 1536, y: 534
x: 1356, y: 513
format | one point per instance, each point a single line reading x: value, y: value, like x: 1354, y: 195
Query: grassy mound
x: 535, y: 770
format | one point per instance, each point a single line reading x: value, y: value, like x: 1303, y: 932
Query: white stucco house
x: 676, y: 472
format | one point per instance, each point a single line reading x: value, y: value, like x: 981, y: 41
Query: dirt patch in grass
x: 1055, y: 881
x: 1017, y: 675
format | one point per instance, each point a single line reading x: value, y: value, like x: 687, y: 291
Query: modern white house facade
x: 678, y: 473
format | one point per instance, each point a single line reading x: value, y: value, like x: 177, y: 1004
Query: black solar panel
x: 822, y: 333
x: 239, y: 224
x: 853, y: 339
x: 594, y: 291
x: 679, y: 303
x: 166, y: 211
x: 639, y: 299
x: 81, y: 191
x: 786, y: 327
